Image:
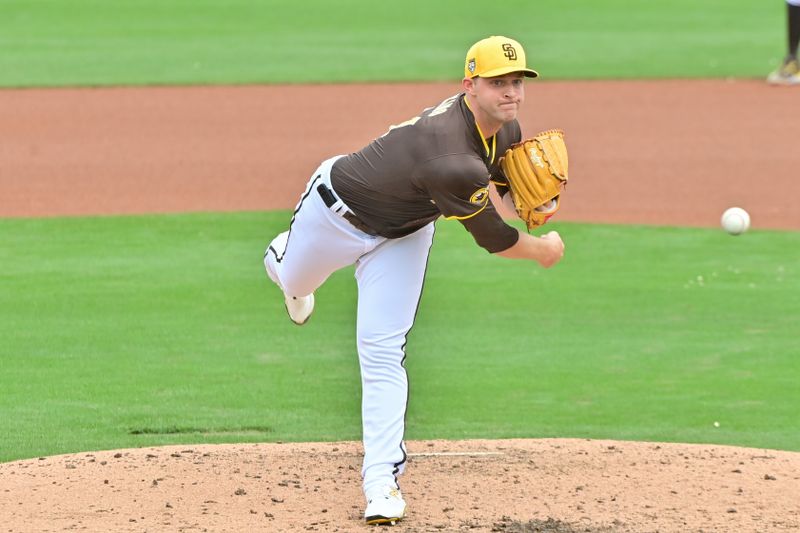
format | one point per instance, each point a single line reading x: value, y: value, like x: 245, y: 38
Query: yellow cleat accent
x: 787, y: 74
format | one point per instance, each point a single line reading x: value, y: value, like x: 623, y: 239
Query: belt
x: 329, y: 197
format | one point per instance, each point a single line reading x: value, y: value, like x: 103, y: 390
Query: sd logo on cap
x: 495, y: 56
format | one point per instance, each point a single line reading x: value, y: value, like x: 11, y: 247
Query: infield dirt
x: 666, y: 152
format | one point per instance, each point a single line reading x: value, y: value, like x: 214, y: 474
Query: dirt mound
x: 552, y: 485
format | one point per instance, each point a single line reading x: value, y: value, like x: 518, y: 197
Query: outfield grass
x: 135, y: 42
x: 147, y: 330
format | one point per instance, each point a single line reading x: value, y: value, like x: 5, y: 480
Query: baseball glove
x: 536, y: 168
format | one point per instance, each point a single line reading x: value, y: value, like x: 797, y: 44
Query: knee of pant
x: 295, y: 285
x: 382, y: 350
x: 296, y: 288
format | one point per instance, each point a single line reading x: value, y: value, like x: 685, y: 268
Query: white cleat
x: 385, y: 505
x: 300, y: 308
x: 787, y: 74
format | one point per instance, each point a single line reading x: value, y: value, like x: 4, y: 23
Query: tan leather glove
x: 536, y: 169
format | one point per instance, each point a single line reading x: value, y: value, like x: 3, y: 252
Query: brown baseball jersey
x: 436, y: 164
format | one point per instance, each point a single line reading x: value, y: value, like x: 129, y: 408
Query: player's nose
x: 513, y: 92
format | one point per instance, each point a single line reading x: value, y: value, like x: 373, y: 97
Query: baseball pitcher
x: 376, y: 208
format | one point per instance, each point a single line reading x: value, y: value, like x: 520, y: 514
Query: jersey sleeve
x: 457, y: 184
x: 460, y: 190
x: 490, y: 230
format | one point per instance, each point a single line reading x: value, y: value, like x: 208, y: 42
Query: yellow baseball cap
x: 495, y: 56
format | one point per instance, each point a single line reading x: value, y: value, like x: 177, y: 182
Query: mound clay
x: 670, y: 152
x: 555, y: 486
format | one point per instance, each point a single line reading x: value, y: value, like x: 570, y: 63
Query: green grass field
x: 133, y: 331
x: 134, y: 42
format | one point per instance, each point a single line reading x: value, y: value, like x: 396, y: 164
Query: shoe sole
x: 784, y: 80
x: 293, y: 321
x: 286, y: 306
x: 783, y: 83
x: 382, y: 520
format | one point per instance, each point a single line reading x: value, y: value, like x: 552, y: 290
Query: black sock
x: 793, y: 18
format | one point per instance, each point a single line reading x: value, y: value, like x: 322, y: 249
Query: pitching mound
x: 554, y: 485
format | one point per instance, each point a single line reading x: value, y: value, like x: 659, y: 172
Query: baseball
x: 735, y: 220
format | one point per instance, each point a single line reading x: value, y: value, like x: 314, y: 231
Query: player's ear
x: 469, y: 85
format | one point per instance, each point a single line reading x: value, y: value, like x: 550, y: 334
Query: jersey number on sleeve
x: 438, y: 110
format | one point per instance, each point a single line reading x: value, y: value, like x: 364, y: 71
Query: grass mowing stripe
x: 126, y: 42
x: 115, y: 324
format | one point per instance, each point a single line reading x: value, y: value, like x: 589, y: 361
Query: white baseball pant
x: 390, y: 275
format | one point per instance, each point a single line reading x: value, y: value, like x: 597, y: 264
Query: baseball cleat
x: 787, y: 74
x: 300, y: 308
x: 385, y: 505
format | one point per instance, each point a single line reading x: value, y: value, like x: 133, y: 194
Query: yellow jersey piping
x: 469, y: 216
x: 485, y: 144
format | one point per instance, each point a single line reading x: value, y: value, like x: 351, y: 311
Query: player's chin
x: 508, y: 116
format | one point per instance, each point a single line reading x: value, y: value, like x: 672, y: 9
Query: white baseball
x: 735, y: 220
